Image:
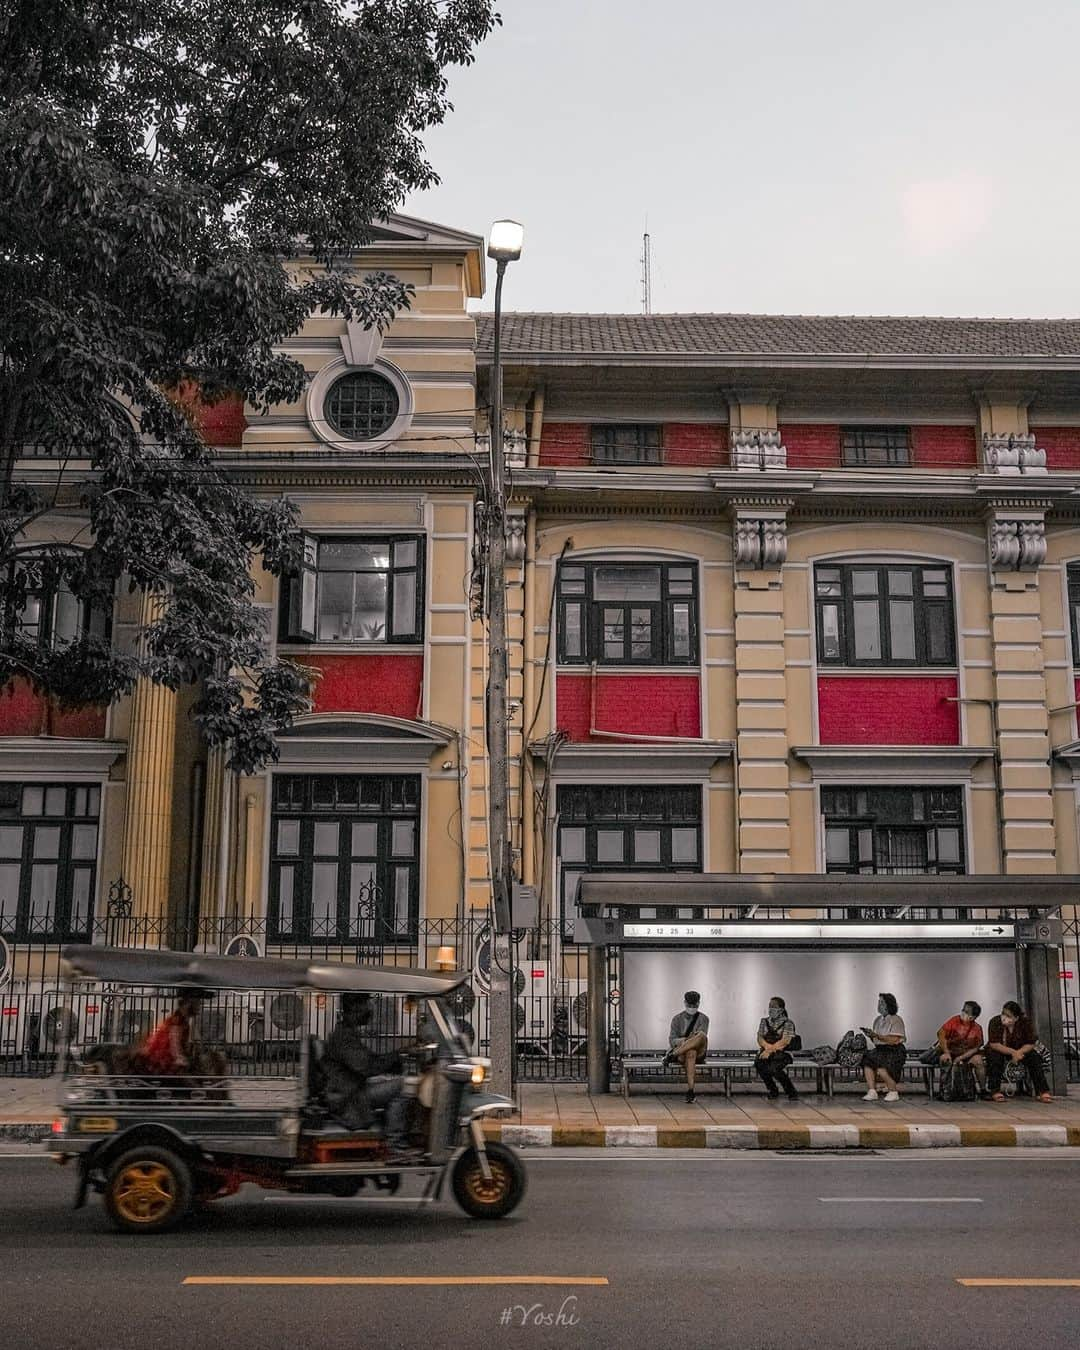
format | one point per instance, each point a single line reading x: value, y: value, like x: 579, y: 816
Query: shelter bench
x: 725, y: 1067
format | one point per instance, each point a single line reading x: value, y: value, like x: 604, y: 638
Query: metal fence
x: 38, y: 1014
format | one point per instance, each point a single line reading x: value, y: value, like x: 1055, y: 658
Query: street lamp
x: 504, y: 246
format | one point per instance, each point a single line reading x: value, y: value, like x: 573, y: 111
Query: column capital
x: 1016, y: 539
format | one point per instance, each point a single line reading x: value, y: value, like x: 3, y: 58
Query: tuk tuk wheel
x: 149, y: 1190
x: 484, y: 1199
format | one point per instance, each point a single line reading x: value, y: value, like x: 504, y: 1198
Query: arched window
x: 43, y: 608
x: 884, y: 614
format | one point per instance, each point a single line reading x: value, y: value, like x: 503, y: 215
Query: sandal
x: 998, y: 1097
x: 1045, y: 1097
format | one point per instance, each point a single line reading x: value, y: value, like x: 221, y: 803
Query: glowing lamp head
x: 505, y: 240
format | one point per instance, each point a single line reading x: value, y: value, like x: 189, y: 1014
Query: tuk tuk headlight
x: 479, y: 1072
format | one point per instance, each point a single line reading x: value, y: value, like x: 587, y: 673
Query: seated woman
x: 1012, y: 1037
x: 885, y: 1061
x: 173, y: 1048
x: 776, y: 1031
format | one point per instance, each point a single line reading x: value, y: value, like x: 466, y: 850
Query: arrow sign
x: 999, y: 930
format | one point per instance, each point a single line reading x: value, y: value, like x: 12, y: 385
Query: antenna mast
x: 646, y: 274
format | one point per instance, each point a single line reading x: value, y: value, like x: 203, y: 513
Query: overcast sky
x: 789, y: 156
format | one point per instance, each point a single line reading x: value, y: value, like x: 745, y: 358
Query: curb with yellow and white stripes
x: 787, y: 1137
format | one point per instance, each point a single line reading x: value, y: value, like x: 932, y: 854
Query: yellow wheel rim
x: 144, y: 1192
x: 485, y: 1192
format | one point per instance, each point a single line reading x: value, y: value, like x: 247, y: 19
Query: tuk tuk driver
x: 358, y: 1080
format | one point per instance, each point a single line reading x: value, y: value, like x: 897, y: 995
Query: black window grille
x: 48, y: 859
x: 884, y: 615
x: 893, y: 831
x: 626, y: 443
x: 628, y: 614
x: 361, y: 405
x: 1074, y: 610
x: 875, y: 447
x: 39, y: 605
x: 625, y: 829
x: 339, y: 844
x: 356, y: 589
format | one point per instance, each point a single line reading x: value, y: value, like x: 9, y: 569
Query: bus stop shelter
x: 827, y: 943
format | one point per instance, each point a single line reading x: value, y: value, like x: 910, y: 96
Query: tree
x: 159, y: 163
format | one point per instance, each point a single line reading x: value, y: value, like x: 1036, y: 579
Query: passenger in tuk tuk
x: 172, y: 1047
x: 358, y: 1081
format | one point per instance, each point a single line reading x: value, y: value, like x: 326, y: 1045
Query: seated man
x: 358, y: 1080
x: 688, y: 1039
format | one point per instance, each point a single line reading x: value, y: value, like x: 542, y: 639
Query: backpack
x: 852, y: 1050
x: 823, y: 1054
x: 957, y: 1083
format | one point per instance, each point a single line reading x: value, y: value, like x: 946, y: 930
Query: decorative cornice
x: 592, y: 762
x: 890, y: 763
x: 35, y: 757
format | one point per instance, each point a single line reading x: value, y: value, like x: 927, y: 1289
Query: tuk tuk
x: 156, y: 1144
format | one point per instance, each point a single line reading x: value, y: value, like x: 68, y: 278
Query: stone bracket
x: 752, y: 449
x: 760, y: 539
x: 1012, y: 454
x: 515, y: 536
x: 361, y: 346
x: 1017, y: 540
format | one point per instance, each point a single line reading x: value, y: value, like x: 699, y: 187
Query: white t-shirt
x: 889, y: 1024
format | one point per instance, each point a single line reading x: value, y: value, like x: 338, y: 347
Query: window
x: 874, y: 447
x: 48, y: 859
x: 626, y: 829
x: 1073, y: 574
x: 626, y: 443
x: 49, y: 613
x: 356, y: 590
x: 341, y: 844
x: 895, y: 831
x: 884, y: 615
x: 360, y: 406
x: 628, y: 614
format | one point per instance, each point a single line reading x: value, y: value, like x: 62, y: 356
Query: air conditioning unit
x: 20, y: 1021
x: 533, y: 1008
x: 571, y: 1018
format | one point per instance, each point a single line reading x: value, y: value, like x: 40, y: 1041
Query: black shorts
x: 891, y: 1058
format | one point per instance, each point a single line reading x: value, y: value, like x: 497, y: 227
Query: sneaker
x: 773, y: 1096
x: 793, y: 1096
x: 892, y: 1096
x: 690, y: 1097
x: 870, y: 1096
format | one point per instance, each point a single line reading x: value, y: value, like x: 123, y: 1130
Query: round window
x: 361, y: 406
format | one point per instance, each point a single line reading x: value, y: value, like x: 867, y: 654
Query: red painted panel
x: 222, y: 423
x: 565, y: 444
x: 943, y: 447
x: 25, y: 712
x: 636, y: 704
x: 887, y: 710
x: 811, y: 446
x: 1062, y: 446
x: 389, y: 683
x: 695, y: 444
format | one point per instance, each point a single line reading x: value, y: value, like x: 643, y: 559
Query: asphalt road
x: 698, y: 1251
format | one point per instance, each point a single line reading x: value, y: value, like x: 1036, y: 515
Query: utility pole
x: 504, y: 245
x: 646, y: 273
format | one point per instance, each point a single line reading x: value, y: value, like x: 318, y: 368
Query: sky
x: 785, y: 156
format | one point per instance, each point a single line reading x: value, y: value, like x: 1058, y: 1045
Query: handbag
x: 823, y: 1054
x: 931, y: 1056
x: 851, y: 1051
x: 957, y: 1083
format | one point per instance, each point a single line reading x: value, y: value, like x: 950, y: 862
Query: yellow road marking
x: 396, y: 1279
x: 1019, y: 1284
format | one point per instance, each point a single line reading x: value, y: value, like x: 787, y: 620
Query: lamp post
x: 504, y: 246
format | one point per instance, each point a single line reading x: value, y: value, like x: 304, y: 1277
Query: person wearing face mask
x: 1012, y: 1036
x: 885, y: 1061
x: 960, y: 1041
x: 776, y: 1031
x: 688, y: 1039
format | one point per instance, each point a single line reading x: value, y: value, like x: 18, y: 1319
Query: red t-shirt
x: 157, y: 1053
x: 961, y: 1036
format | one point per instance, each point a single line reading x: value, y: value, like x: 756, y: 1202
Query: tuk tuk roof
x: 126, y: 965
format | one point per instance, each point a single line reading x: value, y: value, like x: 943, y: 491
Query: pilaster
x: 148, y: 818
x: 1017, y: 545
x: 760, y: 544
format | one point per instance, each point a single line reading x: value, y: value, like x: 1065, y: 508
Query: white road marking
x: 899, y: 1200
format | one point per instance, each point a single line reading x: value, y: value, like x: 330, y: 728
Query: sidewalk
x: 564, y: 1115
